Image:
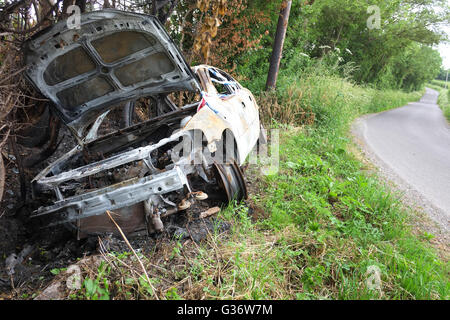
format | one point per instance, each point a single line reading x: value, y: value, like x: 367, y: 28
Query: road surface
x: 413, y: 142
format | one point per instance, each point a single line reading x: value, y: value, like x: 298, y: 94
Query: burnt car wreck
x: 146, y: 171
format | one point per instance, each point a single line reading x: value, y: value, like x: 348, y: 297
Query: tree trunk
x: 278, y: 44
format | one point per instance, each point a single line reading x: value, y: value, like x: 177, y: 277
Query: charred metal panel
x: 115, y: 56
x: 109, y: 163
x: 115, y: 197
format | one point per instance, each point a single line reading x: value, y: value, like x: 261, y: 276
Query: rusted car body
x: 152, y: 169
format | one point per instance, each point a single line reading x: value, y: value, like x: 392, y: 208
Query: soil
x: 46, y: 249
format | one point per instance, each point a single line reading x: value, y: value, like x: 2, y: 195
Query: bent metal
x: 146, y: 171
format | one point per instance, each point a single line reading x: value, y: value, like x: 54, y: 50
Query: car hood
x: 114, y: 56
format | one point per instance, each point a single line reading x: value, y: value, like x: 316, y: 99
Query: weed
x: 98, y: 288
x: 444, y: 96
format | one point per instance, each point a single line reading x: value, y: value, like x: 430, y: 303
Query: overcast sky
x: 444, y: 50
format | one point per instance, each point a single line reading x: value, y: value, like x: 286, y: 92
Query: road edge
x: 425, y: 217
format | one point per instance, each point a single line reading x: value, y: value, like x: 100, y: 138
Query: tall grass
x: 312, y: 231
x: 321, y: 224
x: 440, y: 83
x: 321, y: 96
x: 331, y: 221
x: 444, y: 97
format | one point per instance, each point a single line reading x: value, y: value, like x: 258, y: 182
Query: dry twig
x: 134, y: 252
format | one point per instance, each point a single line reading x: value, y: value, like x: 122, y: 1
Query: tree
x: 278, y: 44
x: 417, y: 65
x: 442, y: 74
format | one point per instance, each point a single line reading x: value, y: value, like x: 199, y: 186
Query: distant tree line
x: 443, y: 74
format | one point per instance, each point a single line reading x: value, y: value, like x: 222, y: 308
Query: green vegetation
x: 444, y: 96
x: 325, y: 221
x: 398, y: 55
x: 442, y: 74
x: 318, y: 228
x: 440, y: 83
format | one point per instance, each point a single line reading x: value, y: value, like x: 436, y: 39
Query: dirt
x: 56, y: 247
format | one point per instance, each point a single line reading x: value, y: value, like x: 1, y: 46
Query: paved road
x: 414, y: 141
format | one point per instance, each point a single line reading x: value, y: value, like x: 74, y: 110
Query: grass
x: 440, y: 83
x: 321, y: 228
x: 343, y: 223
x: 444, y: 96
x: 340, y: 220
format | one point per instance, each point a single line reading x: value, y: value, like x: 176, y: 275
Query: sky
x: 444, y: 50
